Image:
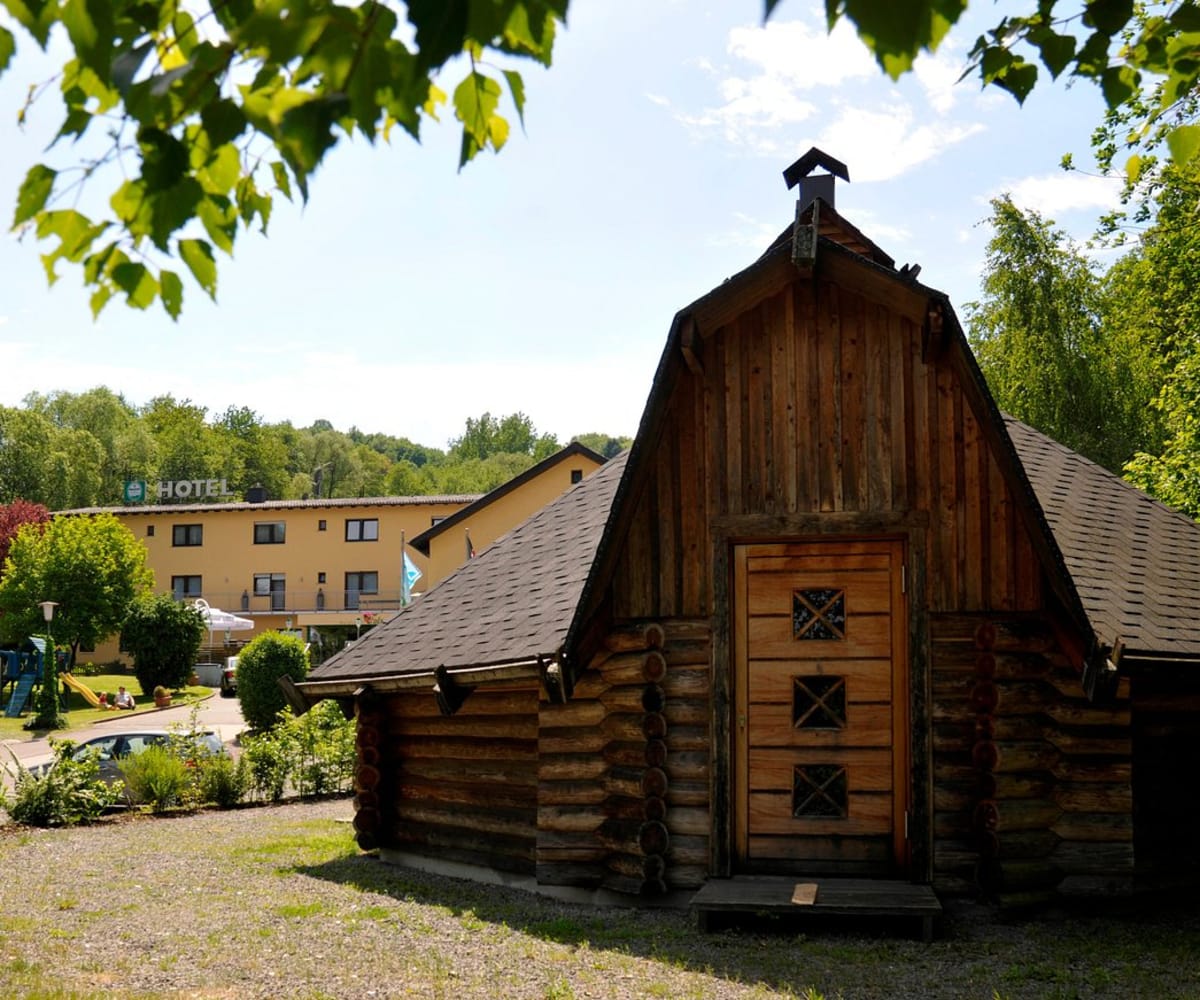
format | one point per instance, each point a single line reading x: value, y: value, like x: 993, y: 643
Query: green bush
x: 163, y: 636
x: 223, y: 782
x: 311, y: 754
x: 69, y: 792
x: 268, y: 657
x: 158, y: 777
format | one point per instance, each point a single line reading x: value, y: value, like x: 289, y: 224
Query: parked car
x: 229, y: 677
x: 111, y: 748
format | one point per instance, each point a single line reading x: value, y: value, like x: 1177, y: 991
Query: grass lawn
x: 81, y: 715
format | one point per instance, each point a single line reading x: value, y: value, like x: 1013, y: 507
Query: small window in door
x: 819, y: 614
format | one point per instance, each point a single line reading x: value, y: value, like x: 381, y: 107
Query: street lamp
x: 48, y: 716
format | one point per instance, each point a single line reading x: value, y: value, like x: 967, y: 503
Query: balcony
x: 309, y: 601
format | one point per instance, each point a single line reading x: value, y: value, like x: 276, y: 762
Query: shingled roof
x: 1135, y: 562
x: 511, y: 603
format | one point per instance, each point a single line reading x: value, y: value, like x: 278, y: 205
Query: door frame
x: 912, y: 529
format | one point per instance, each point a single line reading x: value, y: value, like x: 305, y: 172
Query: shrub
x: 267, y: 765
x: 157, y: 777
x: 313, y: 754
x: 223, y: 782
x: 69, y: 792
x: 164, y: 637
x: 268, y: 657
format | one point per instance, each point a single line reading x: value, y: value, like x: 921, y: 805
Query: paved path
x: 222, y: 715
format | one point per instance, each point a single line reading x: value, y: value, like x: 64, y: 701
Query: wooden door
x: 820, y: 728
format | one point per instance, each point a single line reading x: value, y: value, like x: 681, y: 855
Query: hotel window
x: 150, y: 531
x: 271, y: 585
x: 576, y: 476
x: 186, y: 586
x: 362, y: 529
x: 268, y: 532
x: 321, y: 525
x: 187, y: 534
x: 360, y: 583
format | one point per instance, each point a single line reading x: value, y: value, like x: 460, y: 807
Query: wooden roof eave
x: 471, y: 676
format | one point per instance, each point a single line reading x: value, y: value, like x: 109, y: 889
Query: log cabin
x: 832, y: 621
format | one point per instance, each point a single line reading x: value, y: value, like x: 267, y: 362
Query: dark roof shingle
x: 1135, y: 562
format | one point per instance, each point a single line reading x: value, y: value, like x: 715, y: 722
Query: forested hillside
x: 69, y: 450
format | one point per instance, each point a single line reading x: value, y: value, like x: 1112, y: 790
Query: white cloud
x: 755, y: 234
x: 887, y: 142
x: 801, y: 56
x: 1067, y: 191
x: 938, y: 76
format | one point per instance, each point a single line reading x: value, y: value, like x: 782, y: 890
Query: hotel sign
x: 139, y: 491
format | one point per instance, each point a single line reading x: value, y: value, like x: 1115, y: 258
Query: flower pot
x: 162, y: 701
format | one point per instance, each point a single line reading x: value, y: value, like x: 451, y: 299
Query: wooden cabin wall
x: 1032, y: 783
x: 817, y: 401
x: 464, y: 786
x: 623, y: 773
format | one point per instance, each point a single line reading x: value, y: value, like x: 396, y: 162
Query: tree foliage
x: 202, y: 114
x: 269, y: 656
x: 163, y: 636
x: 510, y: 435
x: 91, y: 566
x: 12, y: 517
x: 1049, y: 357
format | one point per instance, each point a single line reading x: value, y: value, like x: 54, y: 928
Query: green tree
x: 1155, y: 295
x: 260, y: 455
x: 603, y: 444
x: 163, y: 636
x: 186, y: 446
x: 1037, y: 334
x: 12, y: 517
x: 91, y: 565
x: 513, y: 434
x: 267, y: 657
x: 203, y: 113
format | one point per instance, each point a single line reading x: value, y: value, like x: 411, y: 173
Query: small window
x: 360, y: 583
x: 273, y: 585
x: 320, y: 578
x: 362, y: 529
x: 435, y: 521
x: 187, y: 534
x: 268, y: 532
x: 321, y: 525
x: 186, y: 586
x: 576, y: 476
x: 150, y: 531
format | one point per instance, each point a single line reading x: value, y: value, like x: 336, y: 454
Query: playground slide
x: 88, y: 694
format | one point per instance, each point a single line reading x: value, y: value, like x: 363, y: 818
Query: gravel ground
x: 276, y: 902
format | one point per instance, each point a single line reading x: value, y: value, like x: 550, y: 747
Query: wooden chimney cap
x: 810, y: 160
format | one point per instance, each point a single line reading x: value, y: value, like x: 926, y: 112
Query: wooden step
x: 790, y: 896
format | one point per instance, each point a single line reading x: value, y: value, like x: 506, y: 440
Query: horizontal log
x: 688, y: 850
x: 626, y: 781
x: 637, y: 866
x: 689, y: 738
x: 694, y: 822
x: 480, y: 705
x: 688, y: 765
x: 631, y: 753
x: 687, y: 713
x: 570, y: 767
x: 1025, y: 874
x: 568, y: 819
x: 1093, y: 746
x: 1011, y: 632
x: 461, y: 747
x: 641, y: 636
x: 568, y: 873
x: 627, y: 698
x: 624, y: 670
x: 492, y: 849
x: 572, y: 741
x: 1095, y: 827
x: 684, y: 877
x: 560, y: 793
x: 688, y: 793
x: 1026, y: 814
x: 1076, y: 858
x: 472, y: 772
x: 693, y: 684
x: 682, y: 631
x: 482, y: 796
x: 576, y: 712
x: 1095, y: 797
x: 487, y: 728
x: 517, y: 823
x: 1092, y: 886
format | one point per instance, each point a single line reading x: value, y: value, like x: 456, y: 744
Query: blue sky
x: 406, y: 296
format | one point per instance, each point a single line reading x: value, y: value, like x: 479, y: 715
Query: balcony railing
x: 294, y: 601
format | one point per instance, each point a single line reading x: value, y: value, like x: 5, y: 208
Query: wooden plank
x: 903, y: 395
x: 878, y: 393
x: 866, y: 636
x: 669, y: 578
x: 975, y: 568
x: 692, y: 547
x: 734, y: 430
x: 829, y: 415
x: 740, y: 701
x: 770, y: 591
x: 866, y: 680
x: 867, y: 770
x: 853, y: 431
x: 755, y: 389
x: 784, y: 400
x: 808, y: 399
x: 869, y: 813
x: 868, y: 725
x: 804, y: 894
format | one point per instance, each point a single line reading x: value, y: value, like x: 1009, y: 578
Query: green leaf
x: 89, y: 25
x: 198, y: 256
x: 1133, y: 169
x: 8, y: 46
x: 219, y: 219
x: 475, y: 102
x: 282, y: 183
x: 171, y: 291
x: 1110, y: 16
x: 1018, y: 79
x: 1117, y: 84
x: 223, y: 121
x: 306, y: 133
x: 222, y: 170
x: 164, y: 159
x: 516, y: 87
x: 1056, y: 50
x: 138, y: 284
x: 35, y: 16
x: 441, y: 30
x: 34, y: 190
x: 1184, y: 142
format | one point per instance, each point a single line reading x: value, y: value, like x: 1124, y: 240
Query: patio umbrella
x: 221, y: 621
